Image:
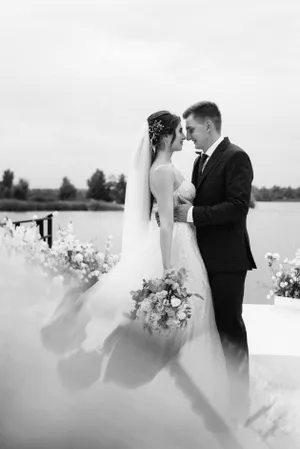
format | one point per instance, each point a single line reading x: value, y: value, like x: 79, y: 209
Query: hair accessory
x: 155, y: 130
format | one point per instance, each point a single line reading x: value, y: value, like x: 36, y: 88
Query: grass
x: 12, y: 205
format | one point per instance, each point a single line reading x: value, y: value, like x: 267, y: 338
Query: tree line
x: 98, y: 188
x: 111, y: 190
x: 276, y: 193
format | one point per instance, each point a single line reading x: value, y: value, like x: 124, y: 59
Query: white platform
x: 272, y: 330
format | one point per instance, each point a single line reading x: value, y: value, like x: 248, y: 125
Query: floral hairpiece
x: 155, y: 130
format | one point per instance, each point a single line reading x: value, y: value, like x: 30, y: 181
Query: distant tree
x: 6, y: 185
x: 21, y: 190
x: 67, y: 190
x: 8, y: 179
x: 116, y: 188
x: 97, y: 186
x: 121, y: 188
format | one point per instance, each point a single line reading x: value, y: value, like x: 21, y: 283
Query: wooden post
x: 50, y: 231
x: 40, y: 224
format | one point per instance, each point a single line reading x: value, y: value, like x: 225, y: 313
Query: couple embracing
x: 199, y: 225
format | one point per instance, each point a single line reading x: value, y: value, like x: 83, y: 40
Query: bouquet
x: 163, y: 304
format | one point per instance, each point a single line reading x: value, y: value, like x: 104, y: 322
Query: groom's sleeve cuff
x: 189, y: 217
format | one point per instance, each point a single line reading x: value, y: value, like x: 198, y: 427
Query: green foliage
x: 6, y: 185
x: 97, y: 186
x: 8, y: 179
x: 21, y: 190
x: 276, y: 193
x: 43, y: 195
x: 13, y: 205
x: 117, y: 189
x: 67, y: 190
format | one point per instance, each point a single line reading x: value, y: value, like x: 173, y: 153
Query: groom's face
x: 196, y: 130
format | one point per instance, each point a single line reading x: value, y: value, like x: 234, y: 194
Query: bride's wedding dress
x: 117, y: 383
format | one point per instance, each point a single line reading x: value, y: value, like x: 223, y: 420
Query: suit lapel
x: 195, y: 171
x: 214, y: 159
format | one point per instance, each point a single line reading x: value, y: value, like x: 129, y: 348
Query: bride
x: 106, y: 383
x: 147, y: 252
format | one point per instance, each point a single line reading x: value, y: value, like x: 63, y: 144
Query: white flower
x: 279, y: 274
x: 78, y: 258
x: 171, y: 322
x: 105, y: 267
x: 146, y: 306
x: 100, y: 257
x: 162, y: 294
x: 268, y: 256
x: 175, y: 302
x: 276, y: 256
x: 70, y: 227
x: 181, y: 316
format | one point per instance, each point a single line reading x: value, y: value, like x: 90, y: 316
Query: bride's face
x: 179, y: 138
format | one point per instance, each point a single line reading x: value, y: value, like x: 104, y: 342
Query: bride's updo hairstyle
x: 161, y: 124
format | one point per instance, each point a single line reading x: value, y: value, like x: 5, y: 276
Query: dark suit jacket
x: 220, y: 209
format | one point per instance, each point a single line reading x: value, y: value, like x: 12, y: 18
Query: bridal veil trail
x: 40, y: 408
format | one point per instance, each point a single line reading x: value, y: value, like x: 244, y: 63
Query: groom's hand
x: 181, y: 211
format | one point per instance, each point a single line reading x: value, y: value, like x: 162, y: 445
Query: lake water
x: 273, y: 227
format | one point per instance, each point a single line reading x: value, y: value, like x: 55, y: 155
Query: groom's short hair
x: 205, y: 109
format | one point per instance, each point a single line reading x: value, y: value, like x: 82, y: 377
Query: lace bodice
x: 186, y: 190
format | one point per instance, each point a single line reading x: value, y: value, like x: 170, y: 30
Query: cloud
x: 77, y: 79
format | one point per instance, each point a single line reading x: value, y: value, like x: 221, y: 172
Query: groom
x: 222, y: 175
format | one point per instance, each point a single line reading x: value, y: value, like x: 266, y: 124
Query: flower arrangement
x: 285, y: 275
x: 68, y: 261
x: 163, y: 304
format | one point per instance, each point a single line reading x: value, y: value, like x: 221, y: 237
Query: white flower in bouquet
x: 100, y: 257
x: 182, y: 316
x: 175, y: 302
x: 78, y: 258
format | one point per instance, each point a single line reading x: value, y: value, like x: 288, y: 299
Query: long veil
x: 137, y: 201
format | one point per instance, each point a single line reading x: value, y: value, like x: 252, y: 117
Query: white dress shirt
x: 208, y: 153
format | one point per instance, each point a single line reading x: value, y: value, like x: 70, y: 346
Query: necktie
x: 203, y: 158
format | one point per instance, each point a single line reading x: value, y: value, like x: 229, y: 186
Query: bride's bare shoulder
x: 161, y: 171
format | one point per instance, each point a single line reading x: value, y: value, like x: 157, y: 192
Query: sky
x: 79, y: 78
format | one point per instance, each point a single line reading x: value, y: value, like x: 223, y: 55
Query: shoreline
x: 13, y: 205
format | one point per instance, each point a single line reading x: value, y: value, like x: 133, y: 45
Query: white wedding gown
x: 94, y: 379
